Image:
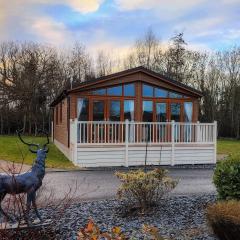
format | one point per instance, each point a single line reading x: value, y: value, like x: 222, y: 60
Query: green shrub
x: 224, y: 218
x: 227, y: 178
x: 144, y: 189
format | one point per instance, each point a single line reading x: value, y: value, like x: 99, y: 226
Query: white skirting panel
x: 103, y: 156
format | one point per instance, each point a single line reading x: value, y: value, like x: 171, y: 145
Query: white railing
x: 105, y: 132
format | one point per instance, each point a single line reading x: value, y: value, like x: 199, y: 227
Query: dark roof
x: 123, y: 73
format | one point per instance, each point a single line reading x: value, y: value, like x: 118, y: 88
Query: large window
x: 175, y: 111
x: 188, y: 111
x: 99, y: 92
x: 98, y: 110
x: 147, y: 111
x: 129, y: 90
x: 82, y: 109
x: 147, y: 90
x: 115, y: 111
x: 129, y: 110
x: 161, y: 112
x: 115, y: 91
x: 161, y: 93
x: 175, y: 95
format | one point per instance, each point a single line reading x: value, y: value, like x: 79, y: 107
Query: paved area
x: 11, y: 167
x: 88, y: 185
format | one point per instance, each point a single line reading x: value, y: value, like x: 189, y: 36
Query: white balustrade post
x: 173, y: 142
x: 126, y: 141
x: 73, y: 139
x: 215, y: 141
x: 198, y: 132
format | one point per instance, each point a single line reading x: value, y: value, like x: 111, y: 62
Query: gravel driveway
x: 92, y: 185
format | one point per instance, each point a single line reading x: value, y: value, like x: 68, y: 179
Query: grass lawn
x: 12, y: 149
x: 228, y: 146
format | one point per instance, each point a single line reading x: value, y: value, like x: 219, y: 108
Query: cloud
x: 201, y: 27
x: 166, y: 9
x: 83, y: 6
x: 49, y: 31
x: 26, y: 18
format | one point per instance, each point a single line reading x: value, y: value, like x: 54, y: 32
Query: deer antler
x: 29, y: 144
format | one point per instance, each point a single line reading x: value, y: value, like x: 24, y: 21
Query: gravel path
x: 178, y: 218
x: 92, y: 185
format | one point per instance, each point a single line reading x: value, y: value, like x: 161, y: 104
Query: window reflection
x: 129, y: 110
x: 161, y: 112
x: 161, y: 93
x: 147, y: 111
x: 188, y: 111
x: 99, y: 92
x: 115, y: 91
x: 175, y: 95
x: 175, y: 111
x: 129, y: 90
x: 147, y: 91
x: 115, y: 111
x: 82, y: 109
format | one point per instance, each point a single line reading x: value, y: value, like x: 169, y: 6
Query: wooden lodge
x: 110, y: 120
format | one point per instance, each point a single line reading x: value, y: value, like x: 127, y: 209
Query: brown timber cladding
x: 61, y: 128
x: 61, y: 122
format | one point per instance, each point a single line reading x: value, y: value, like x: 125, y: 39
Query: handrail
x: 110, y: 132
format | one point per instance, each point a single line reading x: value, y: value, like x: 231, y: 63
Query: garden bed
x: 179, y: 218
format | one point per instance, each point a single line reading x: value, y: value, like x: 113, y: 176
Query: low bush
x: 224, y: 218
x: 144, y: 189
x: 227, y: 178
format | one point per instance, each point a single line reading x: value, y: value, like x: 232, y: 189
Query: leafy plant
x: 144, y: 189
x: 224, y: 218
x: 227, y: 178
x: 92, y: 232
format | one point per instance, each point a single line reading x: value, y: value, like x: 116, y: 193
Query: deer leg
x: 29, y: 200
x: 2, y: 195
x: 35, y: 207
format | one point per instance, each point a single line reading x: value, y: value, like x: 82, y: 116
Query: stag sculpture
x: 28, y: 182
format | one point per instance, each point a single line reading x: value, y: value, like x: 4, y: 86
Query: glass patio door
x: 161, y: 112
x: 162, y: 130
x: 98, y: 114
x: 98, y: 110
x: 175, y: 114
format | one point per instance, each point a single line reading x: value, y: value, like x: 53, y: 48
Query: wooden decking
x: 188, y: 143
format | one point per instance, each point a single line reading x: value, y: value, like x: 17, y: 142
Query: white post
x: 215, y: 141
x: 73, y: 139
x: 172, y: 141
x: 198, y: 132
x: 126, y: 141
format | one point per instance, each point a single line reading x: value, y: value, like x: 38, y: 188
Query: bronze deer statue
x: 28, y: 182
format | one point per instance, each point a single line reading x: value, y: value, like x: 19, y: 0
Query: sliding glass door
x: 98, y: 110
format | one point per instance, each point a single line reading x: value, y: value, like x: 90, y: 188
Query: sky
x: 114, y: 25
